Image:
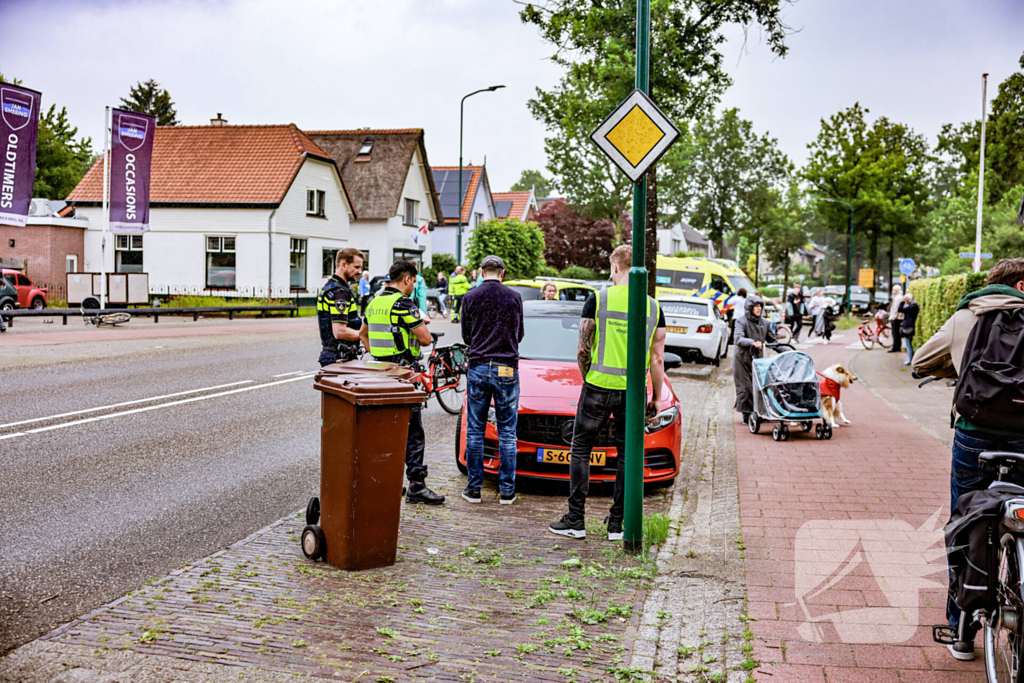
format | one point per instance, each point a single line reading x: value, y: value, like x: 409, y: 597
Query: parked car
x: 29, y: 296
x: 549, y: 388
x: 8, y: 297
x: 695, y: 329
x: 860, y: 301
x: 568, y: 290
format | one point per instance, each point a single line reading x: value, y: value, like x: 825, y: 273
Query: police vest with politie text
x: 390, y: 318
x: 609, y: 353
x: 336, y: 303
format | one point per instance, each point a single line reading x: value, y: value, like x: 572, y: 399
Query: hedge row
x: 938, y: 298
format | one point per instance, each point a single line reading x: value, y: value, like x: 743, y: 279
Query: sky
x: 328, y: 64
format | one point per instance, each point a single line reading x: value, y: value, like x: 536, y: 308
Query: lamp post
x: 849, y: 254
x: 458, y: 235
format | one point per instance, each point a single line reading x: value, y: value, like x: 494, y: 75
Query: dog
x: 834, y: 379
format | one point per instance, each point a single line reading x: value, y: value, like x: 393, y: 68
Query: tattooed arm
x: 587, y: 327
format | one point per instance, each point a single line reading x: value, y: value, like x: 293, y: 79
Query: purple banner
x: 131, y: 151
x: 19, y: 124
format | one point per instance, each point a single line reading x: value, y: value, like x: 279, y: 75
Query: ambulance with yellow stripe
x: 709, y: 278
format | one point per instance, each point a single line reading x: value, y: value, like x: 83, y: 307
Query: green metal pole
x: 636, y: 363
x: 849, y: 266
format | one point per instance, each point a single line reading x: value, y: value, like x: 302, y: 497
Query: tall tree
x: 533, y: 180
x: 784, y: 228
x: 149, y: 98
x: 572, y: 239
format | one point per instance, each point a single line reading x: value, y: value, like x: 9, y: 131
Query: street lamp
x: 849, y: 254
x: 458, y: 235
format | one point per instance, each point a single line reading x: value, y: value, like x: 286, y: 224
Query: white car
x: 694, y: 328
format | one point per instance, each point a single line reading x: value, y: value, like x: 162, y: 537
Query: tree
x: 784, y: 229
x: 533, y: 180
x: 148, y: 98
x: 519, y: 243
x: 440, y: 263
x: 572, y: 239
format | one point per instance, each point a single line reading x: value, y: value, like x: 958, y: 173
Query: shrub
x: 938, y: 298
x: 578, y: 273
x: 547, y: 271
x: 769, y: 292
x: 441, y: 263
x: 573, y: 239
x: 519, y: 243
x: 689, y: 254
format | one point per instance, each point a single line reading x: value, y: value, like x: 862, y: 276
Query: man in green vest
x: 393, y: 332
x: 602, y: 359
x: 458, y: 286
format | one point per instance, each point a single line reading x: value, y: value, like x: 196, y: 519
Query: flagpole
x: 981, y: 174
x: 106, y: 208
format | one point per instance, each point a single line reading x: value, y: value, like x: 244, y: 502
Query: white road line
x: 297, y: 372
x: 125, y: 403
x: 148, y: 408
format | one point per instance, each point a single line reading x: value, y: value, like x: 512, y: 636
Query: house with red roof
x: 521, y: 205
x: 474, y: 204
x: 234, y: 210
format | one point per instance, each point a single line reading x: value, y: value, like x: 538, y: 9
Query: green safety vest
x: 608, y: 354
x: 387, y: 337
x: 459, y: 285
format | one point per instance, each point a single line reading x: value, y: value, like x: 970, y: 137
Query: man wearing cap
x: 492, y: 327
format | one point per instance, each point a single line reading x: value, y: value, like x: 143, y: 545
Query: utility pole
x: 981, y: 174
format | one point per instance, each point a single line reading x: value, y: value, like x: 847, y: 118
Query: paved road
x: 149, y: 454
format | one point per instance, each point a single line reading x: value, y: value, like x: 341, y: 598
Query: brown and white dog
x: 834, y: 379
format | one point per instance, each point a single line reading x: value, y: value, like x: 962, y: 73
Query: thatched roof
x: 375, y: 180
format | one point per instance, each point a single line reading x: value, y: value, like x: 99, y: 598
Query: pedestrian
x: 737, y: 303
x: 394, y: 332
x: 942, y: 356
x: 479, y: 277
x: 492, y: 327
x: 602, y: 362
x: 549, y: 292
x: 419, y: 294
x: 458, y: 286
x: 752, y: 333
x: 895, y: 304
x: 364, y: 291
x: 337, y: 310
x: 795, y: 311
x: 814, y: 309
x: 908, y: 326
x: 828, y: 317
x: 442, y: 291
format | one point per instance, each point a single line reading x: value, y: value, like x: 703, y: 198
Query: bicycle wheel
x: 783, y: 334
x: 867, y: 340
x: 449, y: 387
x: 885, y: 338
x: 1003, y: 641
x: 115, y: 318
x: 432, y: 309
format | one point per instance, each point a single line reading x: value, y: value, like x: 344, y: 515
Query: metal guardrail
x: 65, y: 313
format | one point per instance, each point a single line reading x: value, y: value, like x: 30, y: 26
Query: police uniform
x: 337, y: 303
x: 458, y: 286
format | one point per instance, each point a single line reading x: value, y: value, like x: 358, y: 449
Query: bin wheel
x: 828, y: 431
x: 777, y: 433
x: 313, y: 511
x: 754, y: 423
x: 458, y: 446
x: 806, y: 426
x: 785, y: 432
x: 819, y: 431
x: 314, y: 546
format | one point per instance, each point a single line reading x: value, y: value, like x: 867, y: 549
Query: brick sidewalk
x: 868, y: 501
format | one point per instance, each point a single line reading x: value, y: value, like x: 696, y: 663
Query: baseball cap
x: 493, y: 261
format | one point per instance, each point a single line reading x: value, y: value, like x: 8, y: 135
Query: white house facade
x: 477, y: 206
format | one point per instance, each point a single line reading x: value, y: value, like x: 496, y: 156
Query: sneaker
x: 419, y: 493
x: 471, y: 495
x: 508, y: 499
x: 566, y: 527
x: 614, y: 529
x: 962, y: 650
x: 907, y: 363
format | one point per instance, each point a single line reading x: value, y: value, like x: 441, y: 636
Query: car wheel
x: 718, y: 359
x: 458, y: 445
x: 38, y: 303
x: 725, y: 354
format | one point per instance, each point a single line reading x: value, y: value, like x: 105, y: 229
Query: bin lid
x: 363, y: 367
x: 370, y: 389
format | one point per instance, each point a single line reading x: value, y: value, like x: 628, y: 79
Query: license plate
x: 677, y: 330
x: 560, y: 456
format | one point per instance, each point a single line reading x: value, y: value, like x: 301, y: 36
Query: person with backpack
x: 982, y: 347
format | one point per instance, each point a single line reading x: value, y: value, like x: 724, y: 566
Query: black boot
x: 746, y: 418
x: 419, y: 493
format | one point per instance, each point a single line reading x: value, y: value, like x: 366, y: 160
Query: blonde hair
x: 622, y: 256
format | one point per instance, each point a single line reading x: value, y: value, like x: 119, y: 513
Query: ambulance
x: 709, y: 278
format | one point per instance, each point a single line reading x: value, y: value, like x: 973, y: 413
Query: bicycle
x: 434, y: 308
x: 444, y: 374
x: 97, y: 318
x: 874, y: 331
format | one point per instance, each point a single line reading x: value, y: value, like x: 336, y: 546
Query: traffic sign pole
x: 636, y: 362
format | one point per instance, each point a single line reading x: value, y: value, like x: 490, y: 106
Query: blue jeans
x: 482, y: 385
x: 908, y: 342
x: 967, y: 474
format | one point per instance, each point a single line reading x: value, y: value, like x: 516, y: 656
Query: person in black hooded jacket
x: 751, y: 334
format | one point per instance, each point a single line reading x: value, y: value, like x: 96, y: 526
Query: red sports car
x: 549, y: 388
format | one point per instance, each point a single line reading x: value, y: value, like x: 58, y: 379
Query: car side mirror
x: 672, y: 361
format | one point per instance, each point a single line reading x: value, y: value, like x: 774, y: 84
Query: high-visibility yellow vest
x: 387, y: 336
x: 608, y: 354
x: 459, y: 285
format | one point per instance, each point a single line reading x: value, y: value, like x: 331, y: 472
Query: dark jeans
x: 897, y: 335
x: 967, y: 474
x: 415, y: 444
x: 456, y: 306
x: 596, y: 406
x: 795, y: 324
x: 482, y: 385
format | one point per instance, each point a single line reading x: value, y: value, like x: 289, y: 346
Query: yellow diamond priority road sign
x: 635, y: 135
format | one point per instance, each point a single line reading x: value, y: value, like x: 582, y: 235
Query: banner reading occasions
x: 19, y: 124
x: 131, y: 151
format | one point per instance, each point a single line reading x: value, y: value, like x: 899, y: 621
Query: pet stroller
x: 786, y: 392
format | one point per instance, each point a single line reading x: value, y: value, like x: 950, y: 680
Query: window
x: 329, y: 254
x: 71, y: 263
x: 687, y: 281
x: 316, y: 201
x: 365, y: 150
x: 478, y: 218
x: 128, y: 253
x: 412, y: 209
x: 220, y: 262
x: 407, y: 255
x: 23, y: 281
x: 718, y: 283
x: 297, y: 263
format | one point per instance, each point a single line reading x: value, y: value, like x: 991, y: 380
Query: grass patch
x: 655, y: 530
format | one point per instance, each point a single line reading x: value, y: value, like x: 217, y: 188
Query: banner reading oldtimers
x: 131, y: 151
x: 19, y: 124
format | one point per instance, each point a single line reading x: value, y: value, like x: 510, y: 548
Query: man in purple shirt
x: 492, y: 327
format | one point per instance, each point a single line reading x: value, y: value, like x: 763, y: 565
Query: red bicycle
x: 875, y: 331
x: 444, y: 375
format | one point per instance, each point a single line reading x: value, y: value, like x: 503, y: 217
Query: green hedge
x: 770, y: 292
x: 938, y: 298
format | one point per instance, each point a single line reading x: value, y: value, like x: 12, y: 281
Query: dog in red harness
x: 834, y: 379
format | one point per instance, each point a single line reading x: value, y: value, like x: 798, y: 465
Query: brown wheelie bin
x: 362, y: 367
x: 364, y: 424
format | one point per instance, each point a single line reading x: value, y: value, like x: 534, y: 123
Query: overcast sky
x: 406, y: 63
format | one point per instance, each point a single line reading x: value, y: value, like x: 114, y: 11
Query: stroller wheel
x: 828, y: 431
x: 753, y: 423
x: 819, y: 431
x: 785, y: 432
x: 806, y: 426
x: 777, y: 433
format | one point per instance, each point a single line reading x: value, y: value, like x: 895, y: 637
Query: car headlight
x: 662, y: 420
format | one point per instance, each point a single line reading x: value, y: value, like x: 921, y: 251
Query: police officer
x: 602, y: 359
x: 337, y: 309
x: 458, y: 286
x: 393, y: 332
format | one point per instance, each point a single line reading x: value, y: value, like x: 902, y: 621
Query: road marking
x: 183, y: 401
x: 297, y: 372
x: 125, y: 403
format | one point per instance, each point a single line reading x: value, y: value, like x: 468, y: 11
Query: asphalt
x: 93, y: 508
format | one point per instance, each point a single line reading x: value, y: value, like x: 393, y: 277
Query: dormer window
x: 365, y: 150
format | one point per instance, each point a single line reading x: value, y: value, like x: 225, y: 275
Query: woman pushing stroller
x: 751, y: 334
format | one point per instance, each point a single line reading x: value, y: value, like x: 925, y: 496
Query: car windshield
x: 692, y: 309
x: 739, y: 282
x: 550, y: 338
x: 528, y: 293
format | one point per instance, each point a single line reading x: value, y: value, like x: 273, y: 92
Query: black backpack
x: 990, y: 390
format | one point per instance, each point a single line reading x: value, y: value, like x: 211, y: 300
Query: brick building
x: 45, y: 249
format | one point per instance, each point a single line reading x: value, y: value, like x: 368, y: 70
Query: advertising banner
x: 131, y: 152
x: 19, y: 124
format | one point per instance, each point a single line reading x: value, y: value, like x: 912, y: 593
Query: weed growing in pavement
x: 390, y: 633
x: 655, y: 530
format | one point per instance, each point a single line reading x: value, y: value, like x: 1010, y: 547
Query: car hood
x: 553, y: 387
